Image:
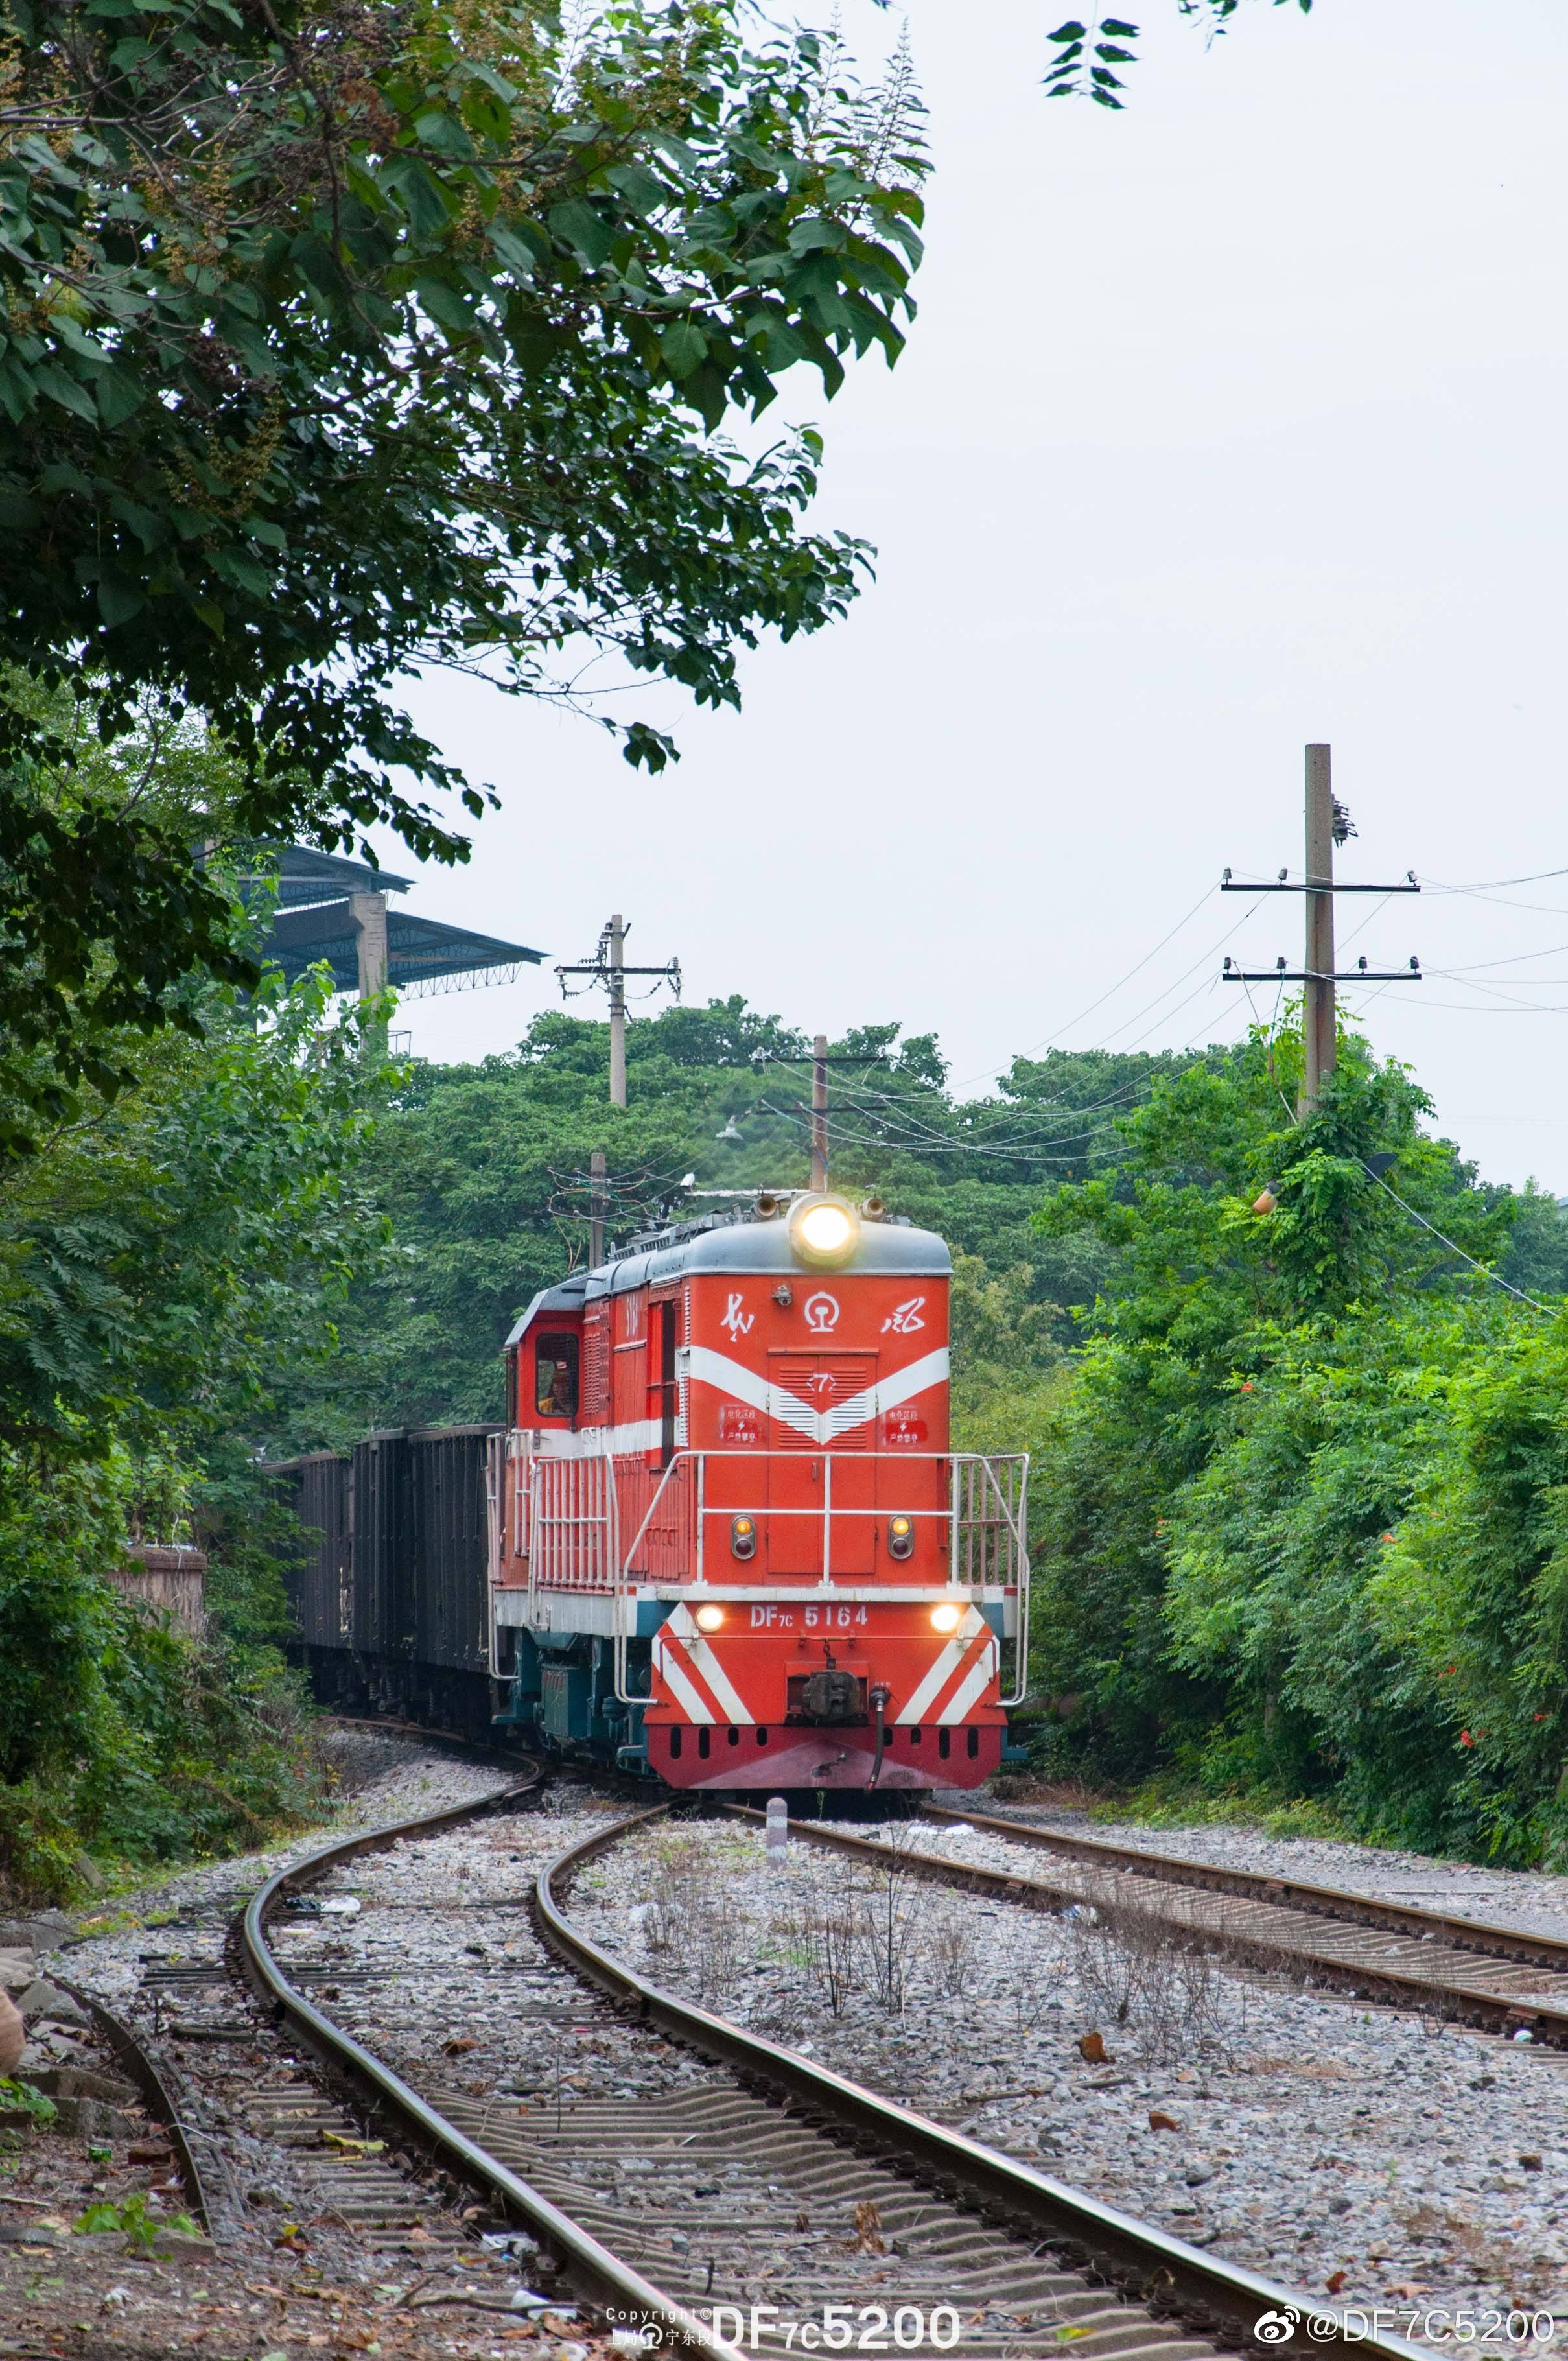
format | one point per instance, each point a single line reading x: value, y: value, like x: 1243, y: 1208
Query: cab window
x: 556, y: 1377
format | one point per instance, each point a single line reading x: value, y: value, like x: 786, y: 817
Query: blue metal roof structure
x: 298, y: 874
x: 314, y: 924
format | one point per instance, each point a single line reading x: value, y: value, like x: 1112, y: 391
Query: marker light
x: 743, y: 1536
x: 946, y: 1617
x: 710, y: 1619
x: 901, y: 1537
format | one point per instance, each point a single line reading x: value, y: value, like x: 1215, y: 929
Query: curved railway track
x: 767, y: 2181
x: 160, y: 2097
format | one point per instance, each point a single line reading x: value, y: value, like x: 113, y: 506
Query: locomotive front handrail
x: 1010, y: 1515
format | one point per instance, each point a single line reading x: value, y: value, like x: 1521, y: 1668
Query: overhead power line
x: 1488, y: 884
x: 1507, y: 1286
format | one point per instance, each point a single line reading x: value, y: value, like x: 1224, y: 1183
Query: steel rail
x: 1257, y: 1944
x: 140, y: 2069
x: 1164, y: 2274
x: 598, y: 2274
x: 1297, y: 1894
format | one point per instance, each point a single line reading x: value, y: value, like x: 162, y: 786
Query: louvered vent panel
x: 594, y: 1410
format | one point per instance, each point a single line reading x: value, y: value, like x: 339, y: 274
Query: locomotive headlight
x: 824, y: 1231
x: 948, y: 1616
x: 710, y: 1619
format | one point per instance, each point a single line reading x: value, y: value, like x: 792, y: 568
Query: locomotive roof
x: 892, y: 1249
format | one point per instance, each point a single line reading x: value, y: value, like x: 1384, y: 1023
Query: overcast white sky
x: 1230, y: 421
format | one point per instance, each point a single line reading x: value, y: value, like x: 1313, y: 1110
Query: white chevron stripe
x: 681, y: 1627
x: 750, y: 1386
x: 942, y: 1670
x: 597, y: 1442
x: 979, y: 1674
x: 696, y: 1708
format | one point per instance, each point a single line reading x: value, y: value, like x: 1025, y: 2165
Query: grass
x: 1167, y: 1801
x: 1164, y: 1804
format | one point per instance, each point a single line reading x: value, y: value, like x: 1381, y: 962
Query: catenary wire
x: 1442, y: 1236
x: 1016, y: 1139
x: 1486, y: 884
x: 1206, y: 894
x: 1509, y: 1288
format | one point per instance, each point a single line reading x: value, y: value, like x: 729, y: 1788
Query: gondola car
x: 730, y: 1544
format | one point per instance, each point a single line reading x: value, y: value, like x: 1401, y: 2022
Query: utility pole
x: 1328, y: 824
x: 820, y: 1113
x: 598, y: 1198
x: 615, y: 930
x: 820, y: 1061
x: 607, y: 967
x: 1319, y: 1032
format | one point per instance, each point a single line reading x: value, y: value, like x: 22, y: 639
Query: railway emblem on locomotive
x: 905, y: 1318
x: 739, y: 1322
x: 821, y: 1312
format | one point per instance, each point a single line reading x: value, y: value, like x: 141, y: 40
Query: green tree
x: 1239, y: 1237
x: 1535, y: 1260
x: 485, y: 1173
x: 1087, y: 52
x: 1368, y: 1569
x: 173, y: 1261
x: 341, y: 340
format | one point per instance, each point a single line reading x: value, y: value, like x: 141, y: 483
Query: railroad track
x: 1468, y: 1972
x: 268, y: 2158
x: 1465, y: 1970
x: 1330, y: 1901
x: 711, y: 2183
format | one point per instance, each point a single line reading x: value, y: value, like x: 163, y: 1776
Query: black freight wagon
x: 390, y: 1582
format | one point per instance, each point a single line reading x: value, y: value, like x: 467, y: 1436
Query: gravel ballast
x: 291, y: 2268
x: 1534, y: 1901
x: 1370, y: 2156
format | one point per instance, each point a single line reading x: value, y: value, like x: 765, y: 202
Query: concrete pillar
x: 370, y: 920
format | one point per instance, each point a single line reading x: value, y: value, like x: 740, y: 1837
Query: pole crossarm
x: 1311, y: 975
x: 1283, y: 974
x: 1311, y: 885
x: 599, y: 970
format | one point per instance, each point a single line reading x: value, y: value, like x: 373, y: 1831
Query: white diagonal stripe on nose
x: 943, y: 1668
x: 750, y: 1386
x: 981, y: 1673
x: 670, y: 1671
x: 706, y: 1665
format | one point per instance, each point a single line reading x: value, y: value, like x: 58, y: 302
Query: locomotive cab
x: 731, y: 1544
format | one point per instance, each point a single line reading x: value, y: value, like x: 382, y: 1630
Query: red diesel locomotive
x: 730, y: 1544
